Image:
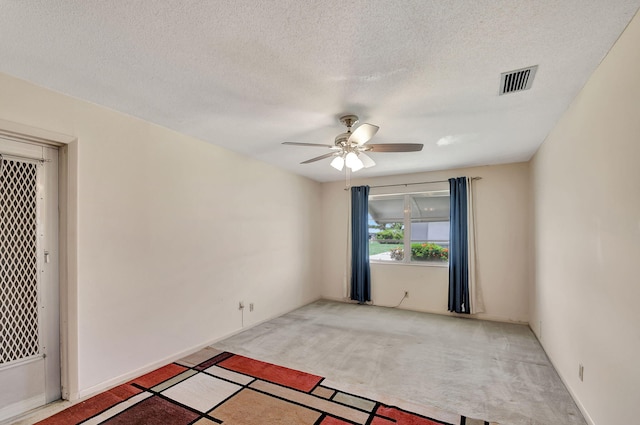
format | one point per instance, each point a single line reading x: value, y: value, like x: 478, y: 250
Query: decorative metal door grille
x: 19, y: 335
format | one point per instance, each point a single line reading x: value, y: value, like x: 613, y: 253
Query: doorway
x: 29, y: 277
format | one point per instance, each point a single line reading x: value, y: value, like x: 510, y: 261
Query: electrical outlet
x: 250, y: 306
x: 581, y: 372
x: 406, y: 294
x: 241, y: 305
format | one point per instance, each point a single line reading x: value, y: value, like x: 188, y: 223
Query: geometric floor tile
x: 323, y: 392
x: 401, y: 417
x: 214, y: 360
x: 212, y: 387
x: 333, y: 421
x: 118, y: 408
x: 205, y: 421
x: 236, y: 377
x: 159, y: 375
x: 250, y: 407
x: 170, y: 382
x: 154, y: 410
x: 312, y: 401
x: 353, y: 401
x: 273, y: 373
x: 198, y: 357
x: 201, y: 392
x: 92, y: 406
x: 382, y: 421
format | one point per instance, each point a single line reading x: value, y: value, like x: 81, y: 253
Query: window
x: 411, y: 222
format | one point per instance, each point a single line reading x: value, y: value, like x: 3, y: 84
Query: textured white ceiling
x: 248, y: 75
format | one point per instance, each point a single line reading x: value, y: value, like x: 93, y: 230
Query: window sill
x: 418, y: 264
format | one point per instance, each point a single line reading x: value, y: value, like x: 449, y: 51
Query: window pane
x: 386, y: 244
x: 430, y: 227
x: 386, y: 228
x: 432, y: 206
x: 387, y: 209
x: 435, y: 231
x: 430, y: 242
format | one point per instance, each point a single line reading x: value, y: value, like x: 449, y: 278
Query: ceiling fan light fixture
x: 338, y: 163
x: 351, y: 159
x: 357, y: 166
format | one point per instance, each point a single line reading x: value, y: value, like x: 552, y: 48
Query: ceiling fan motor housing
x: 342, y: 139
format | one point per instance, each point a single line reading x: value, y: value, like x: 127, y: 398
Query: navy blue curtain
x: 360, y: 272
x: 458, y: 249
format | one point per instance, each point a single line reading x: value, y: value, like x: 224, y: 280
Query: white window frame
x: 407, y: 231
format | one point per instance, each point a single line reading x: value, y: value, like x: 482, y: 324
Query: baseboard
x: 491, y: 318
x: 574, y: 396
x: 479, y: 316
x: 124, y: 378
x: 118, y: 380
x: 339, y: 299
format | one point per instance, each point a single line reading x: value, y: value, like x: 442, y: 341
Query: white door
x: 29, y: 296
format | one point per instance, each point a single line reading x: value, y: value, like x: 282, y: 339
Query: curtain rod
x: 410, y: 184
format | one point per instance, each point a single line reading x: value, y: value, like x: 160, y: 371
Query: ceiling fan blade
x: 366, y: 160
x: 318, y: 158
x: 395, y: 147
x: 308, y: 144
x: 363, y: 133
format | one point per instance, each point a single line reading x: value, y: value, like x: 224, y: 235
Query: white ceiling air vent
x: 518, y: 80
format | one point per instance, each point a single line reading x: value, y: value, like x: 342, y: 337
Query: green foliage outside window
x: 422, y: 252
x: 390, y: 236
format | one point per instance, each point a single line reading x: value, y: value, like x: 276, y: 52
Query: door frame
x: 67, y: 242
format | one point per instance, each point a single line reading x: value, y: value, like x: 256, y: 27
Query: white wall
x: 502, y: 201
x: 586, y: 184
x: 172, y: 234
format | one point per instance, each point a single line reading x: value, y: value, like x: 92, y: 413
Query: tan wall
x: 586, y: 184
x: 172, y: 234
x: 502, y: 201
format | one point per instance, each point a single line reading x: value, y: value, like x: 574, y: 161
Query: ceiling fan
x: 350, y: 147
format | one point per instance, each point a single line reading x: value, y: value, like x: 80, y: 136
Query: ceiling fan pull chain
x: 347, y: 178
